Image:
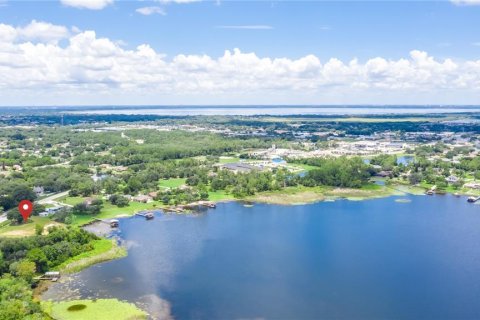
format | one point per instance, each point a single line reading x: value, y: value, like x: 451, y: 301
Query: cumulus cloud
x: 465, y: 2
x: 147, y: 11
x: 87, y: 4
x: 34, y: 31
x: 90, y: 64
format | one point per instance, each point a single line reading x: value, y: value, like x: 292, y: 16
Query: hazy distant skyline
x: 106, y: 52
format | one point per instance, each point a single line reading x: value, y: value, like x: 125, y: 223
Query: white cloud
x: 146, y: 11
x: 247, y: 27
x: 42, y: 31
x: 87, y: 4
x: 465, y: 2
x: 102, y: 70
x: 476, y: 44
x: 34, y: 31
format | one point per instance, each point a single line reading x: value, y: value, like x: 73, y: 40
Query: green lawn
x: 71, y: 200
x: 171, y: 183
x: 219, y: 195
x: 101, y: 309
x: 23, y: 229
x: 111, y: 211
x: 224, y: 160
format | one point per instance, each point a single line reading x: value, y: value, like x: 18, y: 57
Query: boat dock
x: 113, y: 223
x: 431, y: 192
x: 51, y: 275
x: 146, y: 215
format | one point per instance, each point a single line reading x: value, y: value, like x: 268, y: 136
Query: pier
x: 51, y: 275
x: 146, y: 215
x: 431, y: 192
x: 113, y: 223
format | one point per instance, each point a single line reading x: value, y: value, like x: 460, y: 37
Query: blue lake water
x: 374, y: 259
x: 275, y: 110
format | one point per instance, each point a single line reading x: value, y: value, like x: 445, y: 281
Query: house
x: 384, y: 174
x: 142, y: 198
x: 452, y: 179
x: 238, y: 167
x: 39, y: 191
x: 50, y: 211
x: 153, y: 194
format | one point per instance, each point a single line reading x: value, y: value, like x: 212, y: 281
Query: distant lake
x: 413, y: 257
x: 267, y: 110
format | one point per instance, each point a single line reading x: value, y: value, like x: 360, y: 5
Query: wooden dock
x: 146, y: 215
x: 113, y: 223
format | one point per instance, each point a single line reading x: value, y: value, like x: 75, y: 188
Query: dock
x: 146, y: 215
x: 431, y: 192
x: 113, y: 223
x: 51, y: 275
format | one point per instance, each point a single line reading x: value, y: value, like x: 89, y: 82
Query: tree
x: 37, y: 256
x: 415, y: 178
x: 22, y: 192
x: 24, y: 269
x: 16, y: 300
x: 118, y: 200
x: 14, y: 216
x: 38, y: 229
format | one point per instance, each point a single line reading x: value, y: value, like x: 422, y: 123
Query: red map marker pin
x: 25, y: 207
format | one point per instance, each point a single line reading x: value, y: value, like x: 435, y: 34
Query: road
x: 52, y: 197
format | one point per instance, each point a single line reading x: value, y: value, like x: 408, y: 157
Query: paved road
x: 53, y: 197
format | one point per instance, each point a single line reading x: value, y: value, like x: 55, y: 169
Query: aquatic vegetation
x: 104, y: 309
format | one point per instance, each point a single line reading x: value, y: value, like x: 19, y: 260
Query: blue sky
x: 342, y: 30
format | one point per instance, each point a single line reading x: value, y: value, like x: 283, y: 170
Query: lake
x: 273, y: 110
x: 418, y: 258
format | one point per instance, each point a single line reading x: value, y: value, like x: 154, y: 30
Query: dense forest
x: 21, y: 259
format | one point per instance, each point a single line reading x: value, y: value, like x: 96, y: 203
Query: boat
x: 473, y: 199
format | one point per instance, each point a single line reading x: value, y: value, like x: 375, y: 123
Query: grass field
x: 305, y: 167
x: 171, y: 183
x: 24, y: 229
x: 101, y: 309
x: 104, y: 250
x: 224, y: 160
x: 219, y: 195
x: 111, y: 211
